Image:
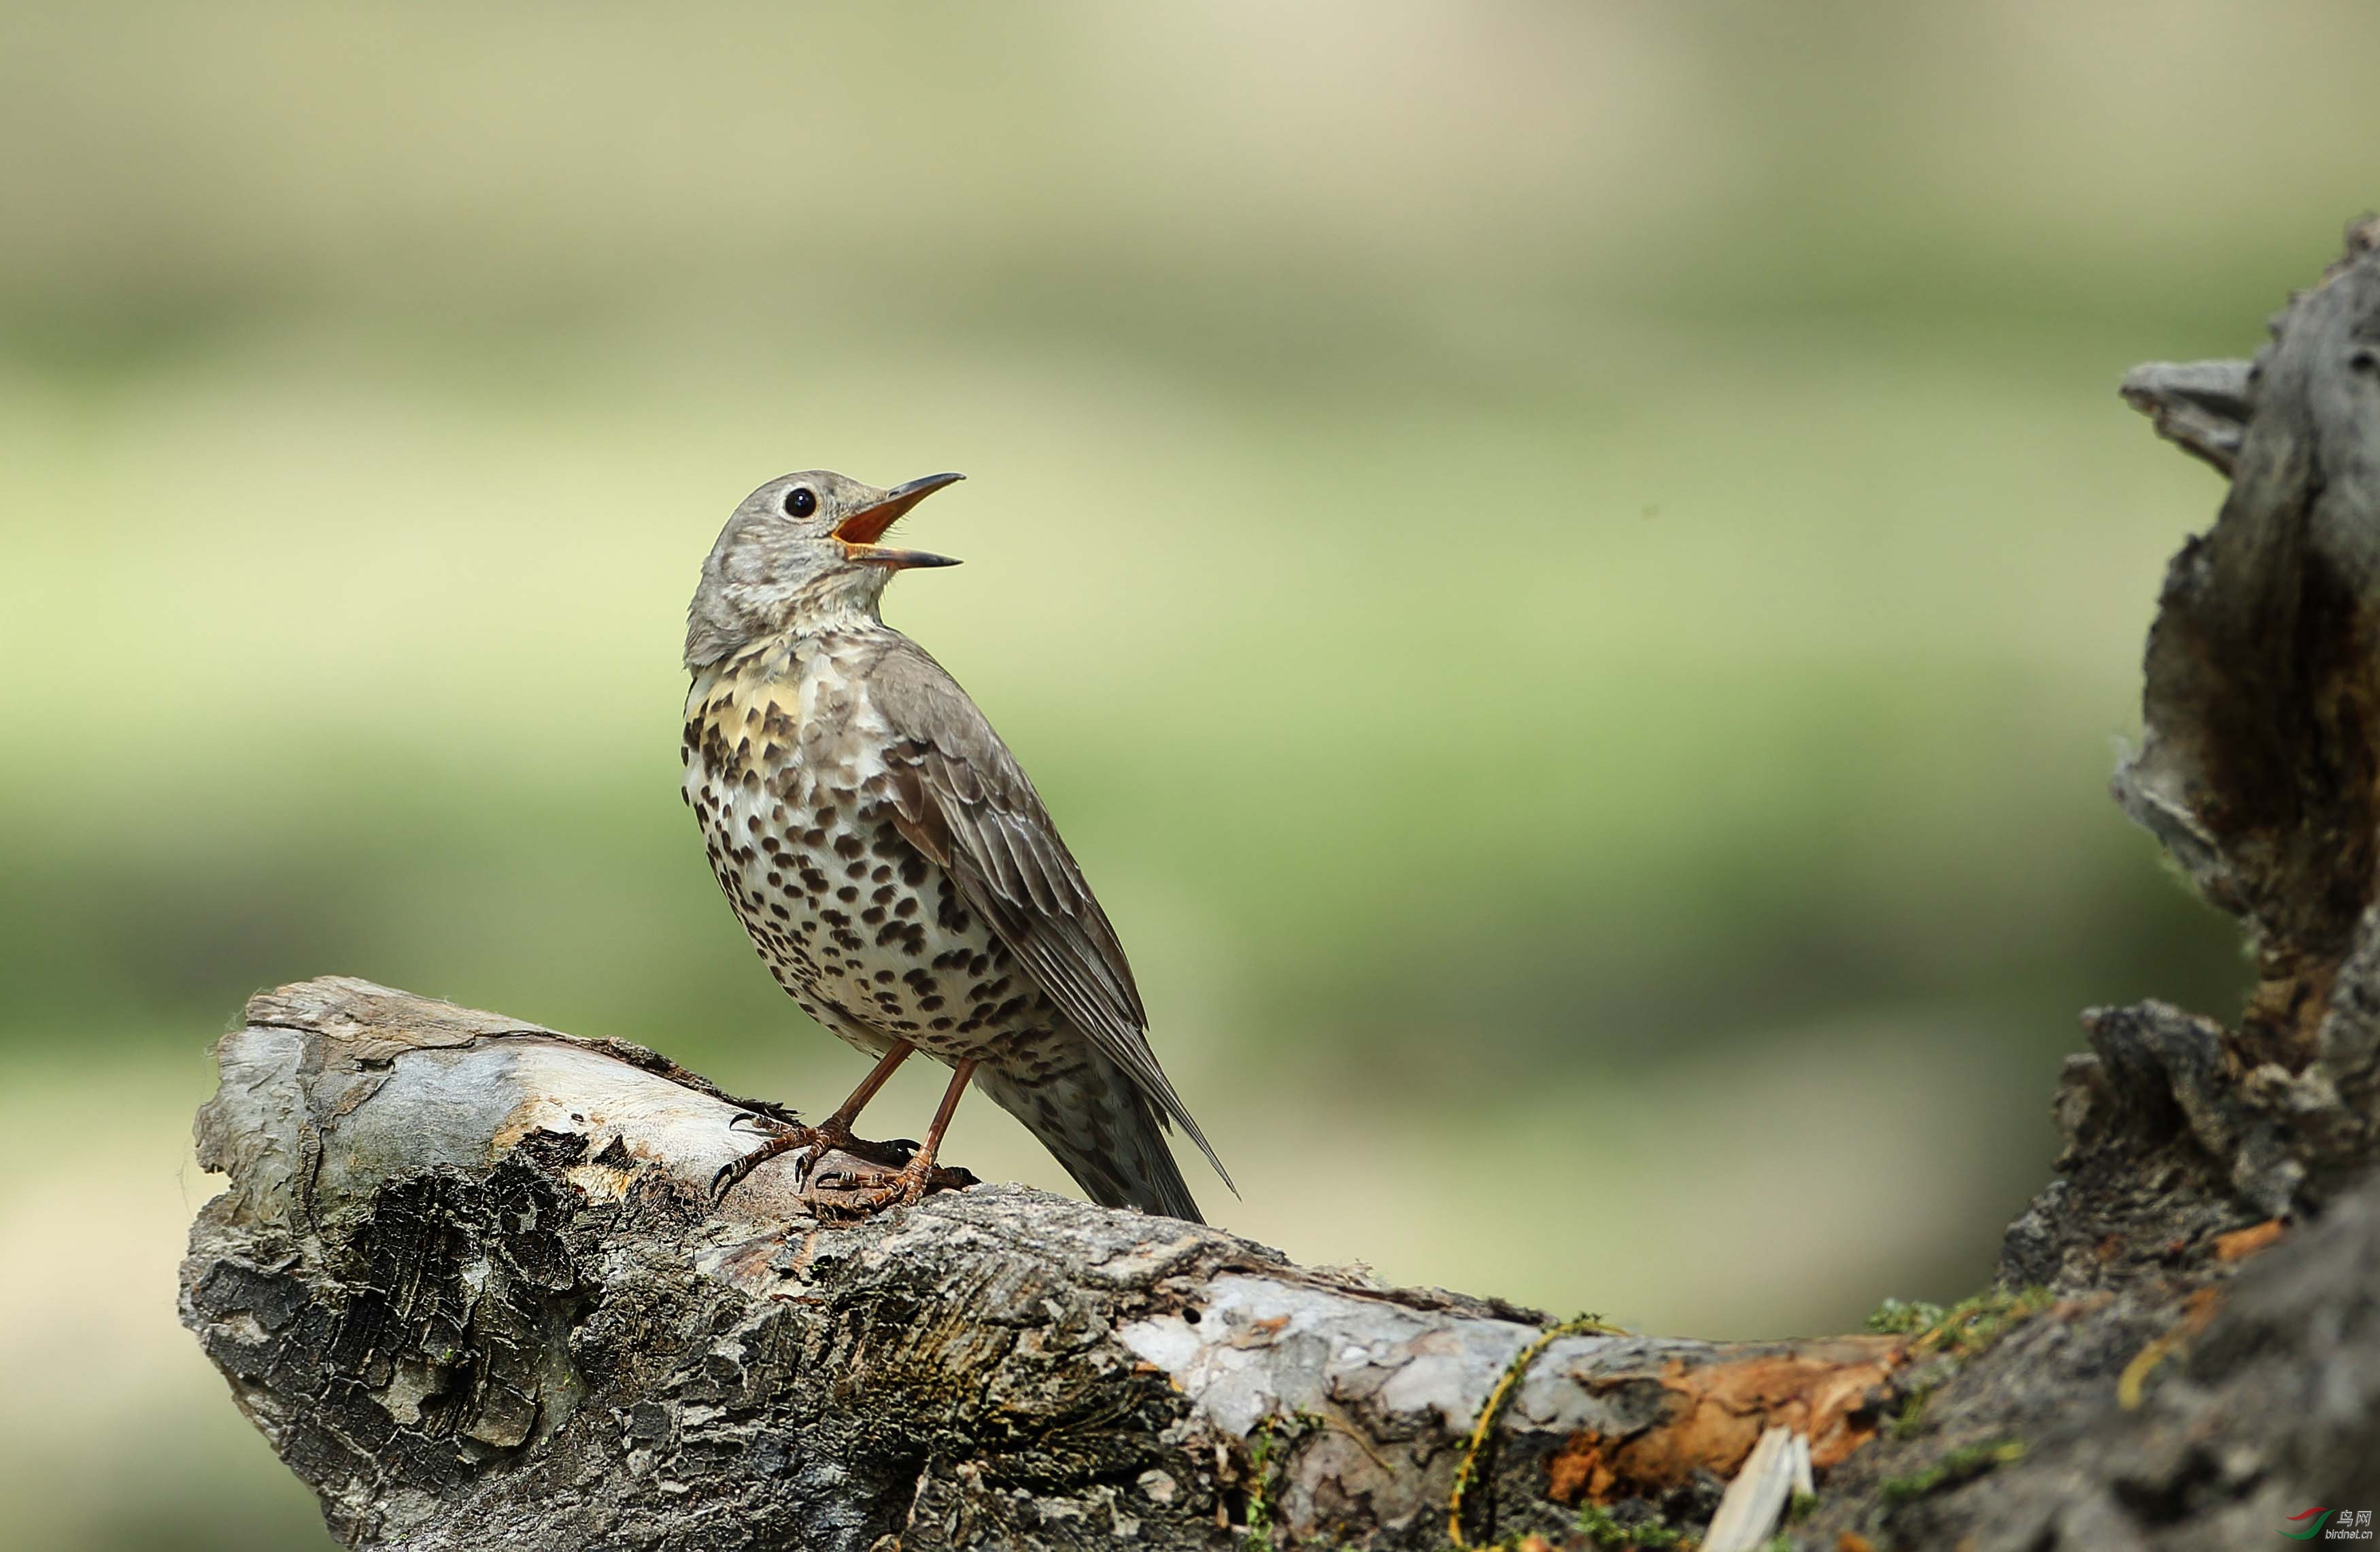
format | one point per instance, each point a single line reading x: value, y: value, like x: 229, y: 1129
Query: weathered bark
x: 468, y: 1282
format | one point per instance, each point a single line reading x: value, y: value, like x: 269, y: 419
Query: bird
x: 894, y: 865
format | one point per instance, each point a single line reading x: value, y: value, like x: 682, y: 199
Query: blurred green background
x: 1573, y: 573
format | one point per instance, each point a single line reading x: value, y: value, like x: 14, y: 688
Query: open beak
x: 860, y: 531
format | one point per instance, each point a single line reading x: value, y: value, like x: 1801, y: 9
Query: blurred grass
x: 1574, y: 573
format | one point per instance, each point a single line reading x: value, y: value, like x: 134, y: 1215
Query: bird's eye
x: 800, y: 501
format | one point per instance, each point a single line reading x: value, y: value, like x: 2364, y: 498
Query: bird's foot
x: 855, y: 1158
x: 842, y: 1192
x: 782, y: 1138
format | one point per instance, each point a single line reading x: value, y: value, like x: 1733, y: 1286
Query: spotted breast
x: 785, y: 770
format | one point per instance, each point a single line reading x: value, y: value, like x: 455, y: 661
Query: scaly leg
x: 914, y: 1179
x: 834, y: 1131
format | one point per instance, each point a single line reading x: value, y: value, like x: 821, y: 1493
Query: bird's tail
x: 1097, y: 1123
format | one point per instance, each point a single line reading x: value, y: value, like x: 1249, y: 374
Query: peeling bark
x: 465, y: 1279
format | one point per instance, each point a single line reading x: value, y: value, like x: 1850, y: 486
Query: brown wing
x: 963, y: 800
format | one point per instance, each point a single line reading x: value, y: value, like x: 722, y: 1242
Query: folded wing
x: 961, y: 798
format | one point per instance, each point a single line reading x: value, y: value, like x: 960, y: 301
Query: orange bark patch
x: 1715, y: 1414
x: 2241, y: 1243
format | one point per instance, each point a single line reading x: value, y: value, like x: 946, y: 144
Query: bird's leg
x: 833, y: 1133
x: 914, y: 1179
x: 835, y: 1130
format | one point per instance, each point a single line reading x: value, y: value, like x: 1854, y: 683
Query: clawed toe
x: 844, y: 1193
x: 867, y: 1177
x: 732, y: 1172
x: 864, y: 1193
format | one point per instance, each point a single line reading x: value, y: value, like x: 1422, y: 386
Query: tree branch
x: 467, y: 1282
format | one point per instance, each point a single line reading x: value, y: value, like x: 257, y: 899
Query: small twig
x: 1580, y: 1326
x: 2197, y: 1313
x: 2200, y: 406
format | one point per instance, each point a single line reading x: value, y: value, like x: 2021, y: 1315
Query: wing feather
x: 961, y: 798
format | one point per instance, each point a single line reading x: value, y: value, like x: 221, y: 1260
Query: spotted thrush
x: 894, y: 865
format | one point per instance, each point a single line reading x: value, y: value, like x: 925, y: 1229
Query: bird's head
x: 801, y: 550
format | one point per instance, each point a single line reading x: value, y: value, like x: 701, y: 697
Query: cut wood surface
x: 468, y: 1280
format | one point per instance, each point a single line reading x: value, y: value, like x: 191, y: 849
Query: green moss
x: 1897, y: 1318
x: 1965, y: 1328
x: 1263, y: 1445
x: 1962, y: 1464
x: 1948, y: 1338
x: 1911, y: 1419
x: 1973, y: 1325
x: 1602, y: 1529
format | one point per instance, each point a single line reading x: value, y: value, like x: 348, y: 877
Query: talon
x: 905, y: 1171
x: 852, y: 1193
x: 729, y: 1173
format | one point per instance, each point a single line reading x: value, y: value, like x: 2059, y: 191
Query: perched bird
x: 892, y: 864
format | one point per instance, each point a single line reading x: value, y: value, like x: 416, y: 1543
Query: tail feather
x: 1096, y: 1123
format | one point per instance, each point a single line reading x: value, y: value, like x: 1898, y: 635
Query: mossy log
x: 468, y: 1282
